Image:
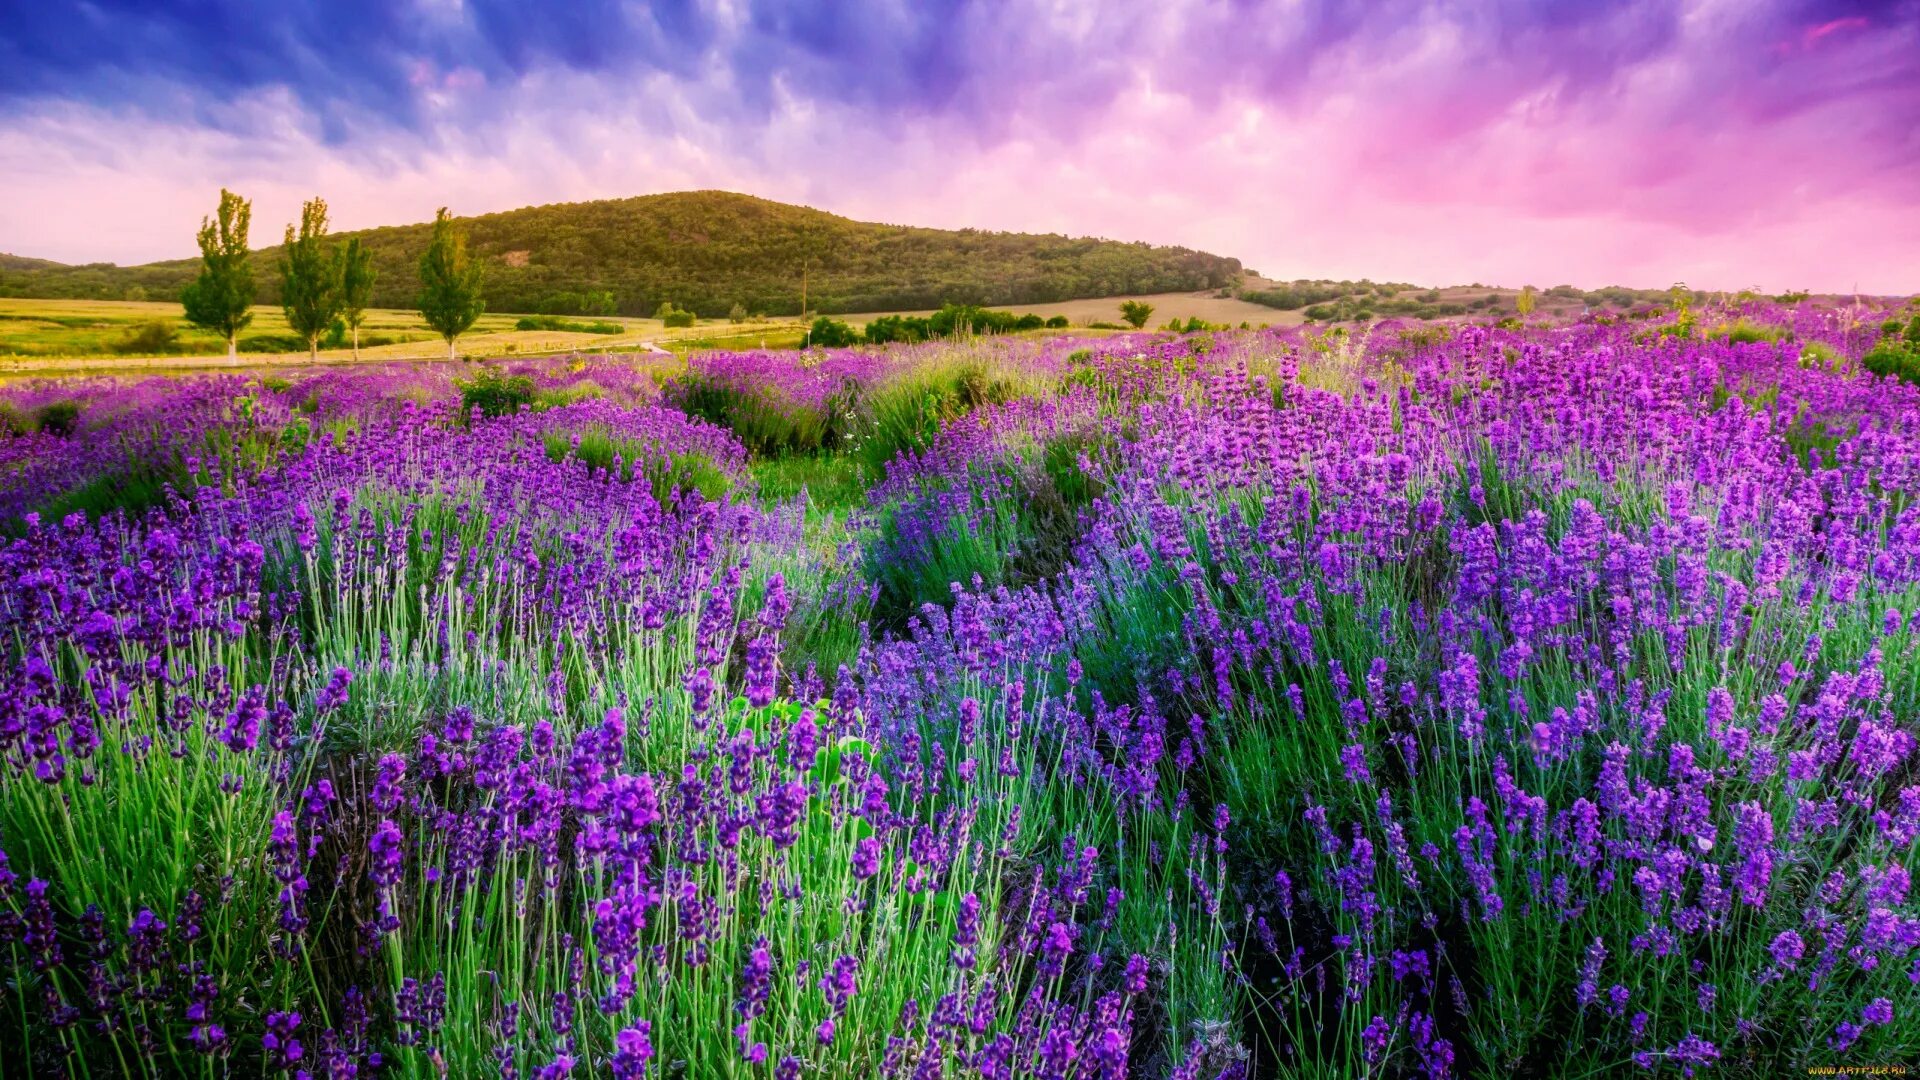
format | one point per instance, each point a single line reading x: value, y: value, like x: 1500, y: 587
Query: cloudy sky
x: 1725, y: 143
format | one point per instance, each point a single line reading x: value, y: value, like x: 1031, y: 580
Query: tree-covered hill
x: 707, y: 251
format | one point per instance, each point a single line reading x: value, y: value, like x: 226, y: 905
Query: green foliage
x: 830, y: 333
x: 496, y: 393
x: 831, y: 482
x: 555, y: 322
x: 711, y: 250
x: 669, y: 477
x: 1135, y: 312
x: 154, y: 337
x: 902, y: 328
x: 58, y: 418
x: 765, y: 420
x: 1682, y: 301
x: 450, y: 281
x: 737, y: 313
x: 1744, y: 331
x: 1058, y: 322
x: 908, y: 411
x: 1305, y: 293
x: 272, y: 343
x: 1194, y: 324
x: 310, y: 276
x: 964, y: 319
x: 672, y: 316
x: 357, y: 277
x: 1526, y: 302
x: 219, y: 299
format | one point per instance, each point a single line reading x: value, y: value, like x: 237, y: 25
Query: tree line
x: 707, y: 252
x: 323, y: 282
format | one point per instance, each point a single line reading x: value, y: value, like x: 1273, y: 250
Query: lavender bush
x: 1530, y: 701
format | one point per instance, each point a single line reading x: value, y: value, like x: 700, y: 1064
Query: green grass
x: 832, y: 483
x: 83, y: 329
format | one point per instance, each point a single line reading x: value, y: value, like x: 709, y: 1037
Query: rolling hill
x: 706, y: 251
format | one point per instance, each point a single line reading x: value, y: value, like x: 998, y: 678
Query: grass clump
x: 908, y: 411
x: 154, y: 337
x: 831, y: 483
x: 669, y: 476
x: 495, y: 393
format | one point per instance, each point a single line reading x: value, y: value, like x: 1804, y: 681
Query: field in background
x: 53, y: 337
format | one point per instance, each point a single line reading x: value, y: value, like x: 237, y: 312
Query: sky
x: 1724, y: 143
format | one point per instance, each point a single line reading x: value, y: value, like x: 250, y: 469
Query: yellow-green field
x: 50, y: 337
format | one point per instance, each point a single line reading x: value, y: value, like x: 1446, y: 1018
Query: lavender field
x: 1414, y: 701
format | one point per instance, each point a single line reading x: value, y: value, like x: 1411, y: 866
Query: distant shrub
x: 554, y: 322
x: 831, y: 333
x: 673, y: 316
x: 902, y: 328
x: 1102, y: 325
x: 153, y: 337
x: 1058, y: 322
x: 1029, y: 322
x: 1745, y: 332
x: 1135, y: 313
x: 496, y: 393
x: 60, y: 418
x: 737, y: 313
x: 273, y: 343
x: 963, y: 319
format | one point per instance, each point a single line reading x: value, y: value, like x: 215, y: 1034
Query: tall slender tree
x: 219, y: 299
x: 450, y: 281
x: 310, y: 273
x: 356, y: 287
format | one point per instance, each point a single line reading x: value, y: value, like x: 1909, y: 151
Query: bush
x: 1888, y: 358
x: 60, y: 418
x: 273, y: 343
x: 1058, y: 322
x: 554, y: 322
x: 831, y: 333
x: 1135, y: 313
x: 902, y: 328
x: 496, y: 393
x: 1029, y: 322
x: 673, y: 316
x: 153, y: 337
x: 737, y: 313
x: 963, y: 319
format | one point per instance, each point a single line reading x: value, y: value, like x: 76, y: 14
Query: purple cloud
x: 1589, y: 141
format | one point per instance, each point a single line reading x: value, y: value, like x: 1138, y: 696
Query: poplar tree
x: 356, y: 287
x: 219, y: 299
x: 450, y: 298
x: 310, y: 274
